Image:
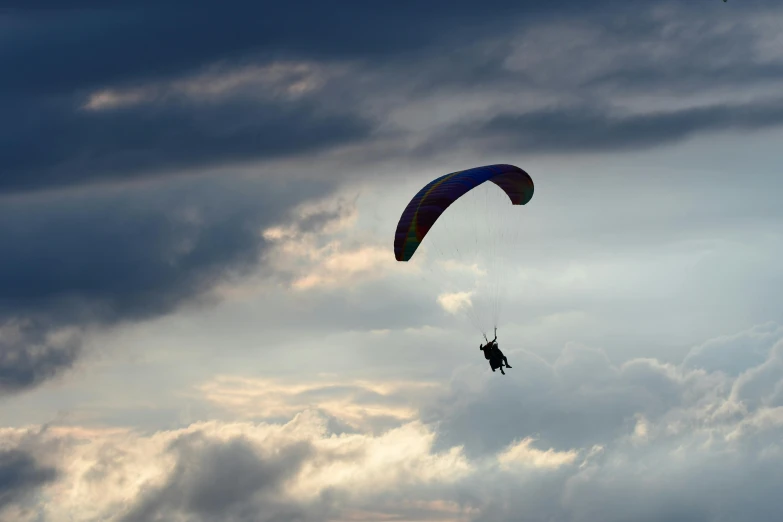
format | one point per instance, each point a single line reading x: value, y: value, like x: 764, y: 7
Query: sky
x: 201, y: 316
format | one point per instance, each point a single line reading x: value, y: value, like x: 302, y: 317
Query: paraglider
x: 432, y: 201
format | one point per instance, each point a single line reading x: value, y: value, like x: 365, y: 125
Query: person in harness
x: 493, y: 354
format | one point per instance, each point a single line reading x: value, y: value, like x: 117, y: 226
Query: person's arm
x: 496, y: 335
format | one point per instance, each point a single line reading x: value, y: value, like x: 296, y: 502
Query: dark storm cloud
x: 620, y: 82
x: 230, y: 481
x: 28, y: 356
x: 47, y: 139
x: 59, y: 143
x: 586, y: 129
x: 679, y: 50
x: 145, y: 39
x: 58, y: 56
x: 20, y: 476
x: 104, y: 257
x: 133, y: 253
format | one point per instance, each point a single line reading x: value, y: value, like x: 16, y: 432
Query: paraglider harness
x: 493, y: 354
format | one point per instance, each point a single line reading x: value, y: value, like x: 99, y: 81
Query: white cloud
x: 109, y: 474
x: 337, y: 267
x: 523, y: 454
x: 321, y: 248
x: 584, y: 440
x: 356, y: 403
x: 455, y: 302
x: 278, y: 79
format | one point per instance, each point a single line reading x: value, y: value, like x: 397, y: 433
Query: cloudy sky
x: 201, y: 317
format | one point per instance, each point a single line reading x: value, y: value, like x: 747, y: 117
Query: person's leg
x: 506, y: 361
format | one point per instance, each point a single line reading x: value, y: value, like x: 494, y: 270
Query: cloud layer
x: 76, y: 262
x: 581, y: 440
x: 194, y: 168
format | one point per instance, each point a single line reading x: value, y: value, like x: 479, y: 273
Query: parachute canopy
x: 430, y: 202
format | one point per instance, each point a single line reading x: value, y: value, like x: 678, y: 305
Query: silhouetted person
x: 493, y: 354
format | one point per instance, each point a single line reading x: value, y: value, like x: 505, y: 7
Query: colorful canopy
x: 426, y: 207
